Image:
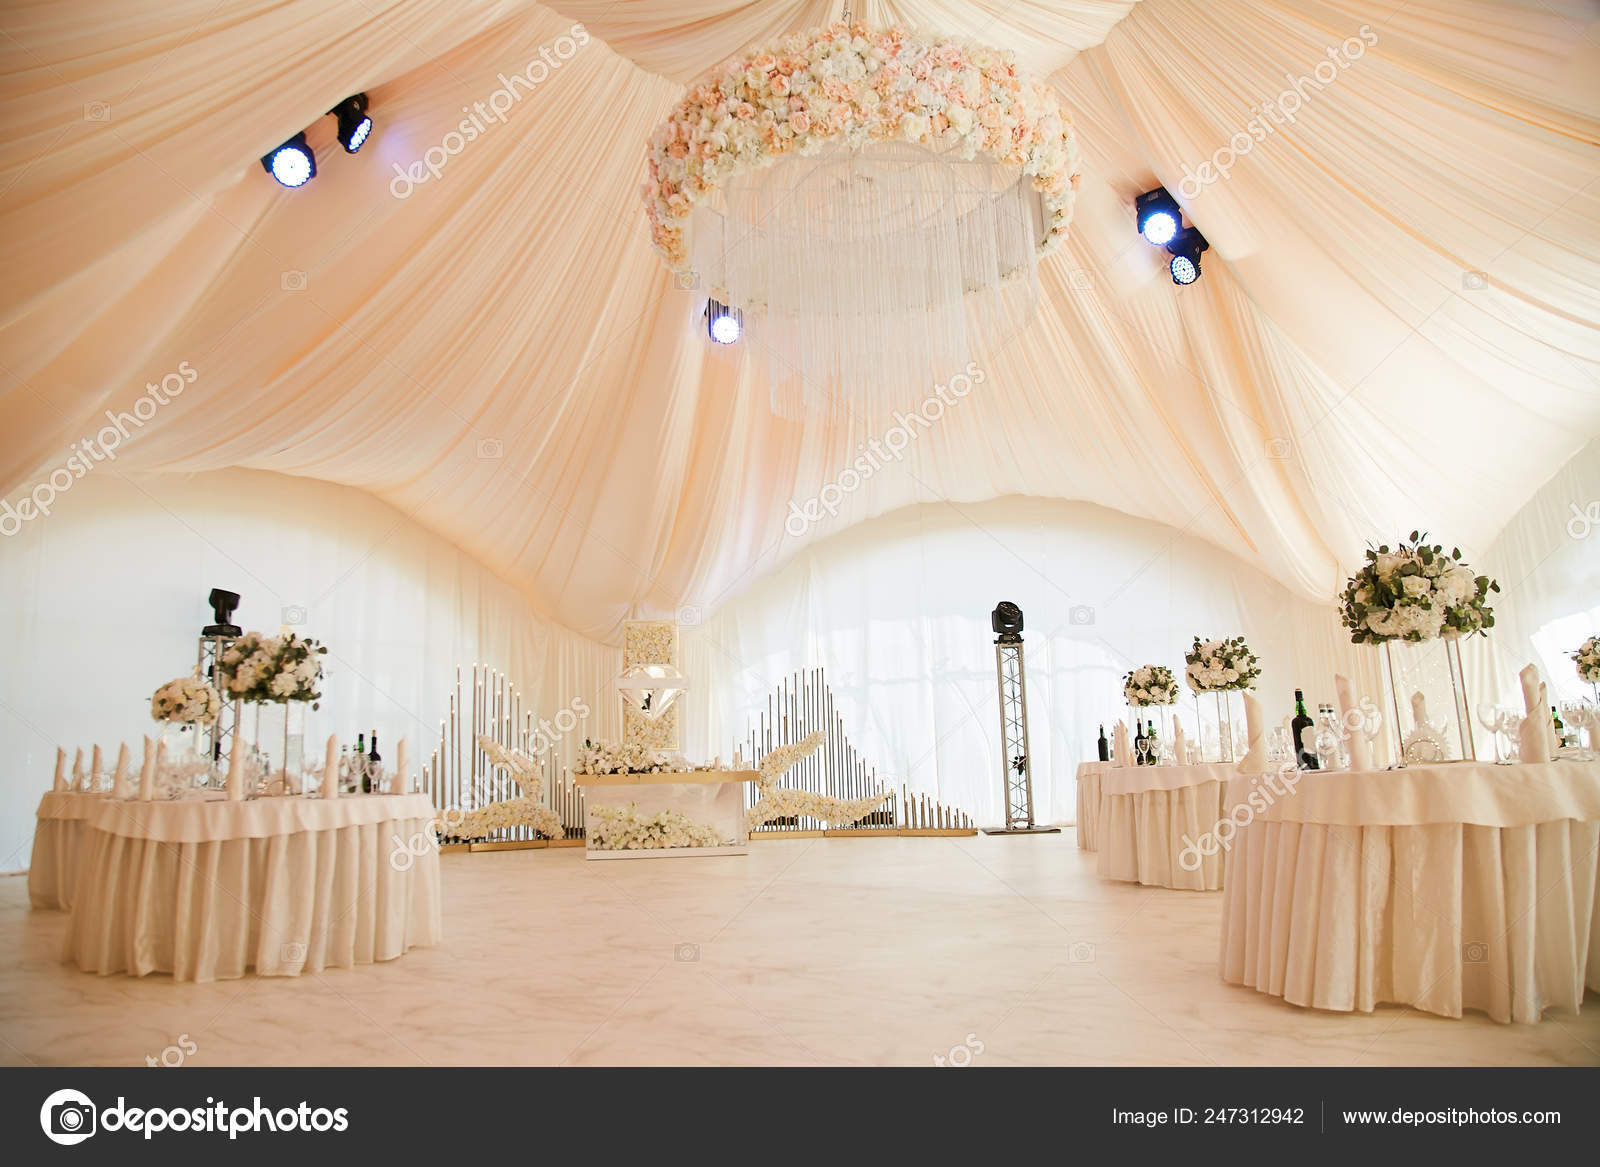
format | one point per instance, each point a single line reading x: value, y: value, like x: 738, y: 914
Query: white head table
x: 1088, y: 828
x: 1149, y: 814
x: 206, y: 890
x: 1449, y: 887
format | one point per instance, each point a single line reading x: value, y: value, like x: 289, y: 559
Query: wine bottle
x: 1104, y: 746
x: 1152, y: 744
x: 1305, y: 756
x: 1561, y: 728
x: 374, y: 767
x: 1138, y: 743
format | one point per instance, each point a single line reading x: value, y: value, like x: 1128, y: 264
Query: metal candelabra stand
x: 1015, y: 763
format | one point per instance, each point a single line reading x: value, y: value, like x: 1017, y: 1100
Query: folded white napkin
x: 60, y: 785
x: 1255, y: 758
x: 79, y: 778
x: 330, y: 768
x: 1533, y: 735
x: 153, y: 757
x: 401, y: 782
x: 95, y: 770
x: 120, y: 786
x: 1120, y: 746
x: 1352, y: 724
x: 236, y: 790
x: 1180, y: 744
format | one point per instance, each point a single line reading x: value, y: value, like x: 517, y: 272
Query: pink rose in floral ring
x: 780, y: 84
x: 801, y: 122
x: 764, y: 61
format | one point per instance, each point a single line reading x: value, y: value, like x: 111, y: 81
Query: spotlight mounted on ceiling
x: 354, y: 124
x: 1186, y: 249
x: 1158, y: 215
x: 293, y: 163
x: 724, y: 325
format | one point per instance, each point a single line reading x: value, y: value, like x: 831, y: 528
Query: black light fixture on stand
x: 1016, y: 766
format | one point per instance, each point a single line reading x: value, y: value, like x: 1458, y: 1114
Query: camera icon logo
x: 293, y: 281
x: 687, y: 280
x: 689, y: 614
x: 68, y: 1117
x: 96, y: 111
x: 1474, y: 952
x: 1474, y: 281
x: 1081, y: 953
x: 294, y: 614
x: 686, y: 953
x: 293, y: 953
x: 1078, y: 280
x: 490, y: 449
x: 1080, y: 614
x: 1279, y: 449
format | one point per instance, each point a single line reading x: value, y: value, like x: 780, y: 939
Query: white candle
x: 1419, y: 709
x: 236, y: 790
x: 401, y: 784
x: 119, y: 781
x: 78, y: 777
x: 330, y: 768
x: 61, y: 770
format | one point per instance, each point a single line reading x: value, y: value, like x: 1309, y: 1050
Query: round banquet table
x: 57, y: 831
x: 1149, y: 817
x: 206, y: 890
x: 1459, y: 886
x: 1088, y: 828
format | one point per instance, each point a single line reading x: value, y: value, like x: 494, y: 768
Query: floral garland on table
x: 529, y: 810
x: 780, y: 801
x: 630, y: 757
x: 1588, y: 658
x: 1415, y: 592
x: 187, y: 701
x: 1150, y: 685
x: 853, y: 83
x: 626, y: 828
x: 280, y: 668
x: 1219, y: 666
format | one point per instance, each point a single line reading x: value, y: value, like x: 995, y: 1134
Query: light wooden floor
x: 820, y: 951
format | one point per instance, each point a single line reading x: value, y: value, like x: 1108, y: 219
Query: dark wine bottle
x: 1305, y: 755
x: 1138, y: 743
x: 363, y: 773
x: 373, y: 760
x: 1152, y: 743
x: 1104, y: 746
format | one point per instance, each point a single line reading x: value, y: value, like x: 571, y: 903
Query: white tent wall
x: 103, y: 599
x: 897, y: 611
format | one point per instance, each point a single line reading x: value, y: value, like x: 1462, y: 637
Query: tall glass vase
x: 280, y: 737
x: 1428, y: 709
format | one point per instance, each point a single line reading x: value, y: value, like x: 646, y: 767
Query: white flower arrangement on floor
x: 1150, y: 685
x: 260, y: 668
x: 186, y: 700
x: 780, y: 801
x: 1220, y: 666
x: 529, y: 810
x: 626, y: 828
x: 1588, y: 658
x: 1415, y: 592
x: 851, y: 83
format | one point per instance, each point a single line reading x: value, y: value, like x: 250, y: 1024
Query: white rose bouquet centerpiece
x: 1588, y: 660
x: 1150, y: 685
x: 1221, y: 666
x: 1415, y: 592
x: 186, y: 701
x: 281, y: 668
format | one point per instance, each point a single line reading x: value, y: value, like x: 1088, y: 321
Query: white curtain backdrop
x: 103, y: 600
x: 897, y: 610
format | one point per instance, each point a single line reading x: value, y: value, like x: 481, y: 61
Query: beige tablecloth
x: 56, y: 833
x: 1466, y: 886
x: 1150, y: 819
x: 1088, y: 828
x: 209, y: 890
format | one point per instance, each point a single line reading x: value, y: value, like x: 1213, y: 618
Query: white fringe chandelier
x: 874, y: 202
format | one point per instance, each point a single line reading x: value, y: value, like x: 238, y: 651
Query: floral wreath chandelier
x: 872, y: 200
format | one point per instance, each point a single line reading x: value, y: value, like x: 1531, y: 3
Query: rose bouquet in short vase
x: 1411, y: 600
x: 1149, y: 690
x: 280, y: 674
x: 1220, y: 668
x: 181, y: 705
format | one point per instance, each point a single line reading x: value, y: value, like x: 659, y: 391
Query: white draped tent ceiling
x: 1396, y: 325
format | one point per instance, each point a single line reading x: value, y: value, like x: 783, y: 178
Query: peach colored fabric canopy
x: 1395, y: 326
